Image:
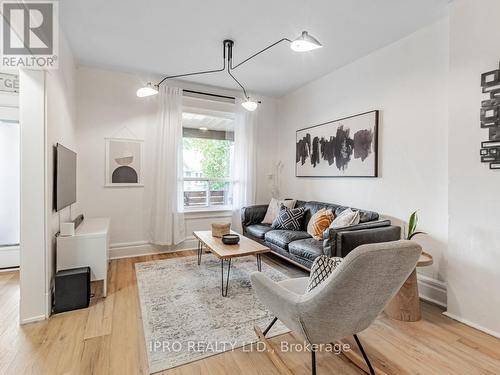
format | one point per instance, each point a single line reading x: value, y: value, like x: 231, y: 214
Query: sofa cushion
x: 321, y: 269
x: 311, y: 207
x: 282, y: 238
x: 289, y: 219
x: 319, y: 222
x: 364, y: 216
x: 346, y: 218
x: 274, y: 208
x: 306, y: 248
x: 258, y: 230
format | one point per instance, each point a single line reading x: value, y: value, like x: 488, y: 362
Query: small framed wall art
x: 124, y: 162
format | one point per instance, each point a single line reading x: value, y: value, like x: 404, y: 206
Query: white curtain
x: 167, y: 221
x: 244, y: 162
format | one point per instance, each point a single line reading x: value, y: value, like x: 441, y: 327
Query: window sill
x: 207, y: 210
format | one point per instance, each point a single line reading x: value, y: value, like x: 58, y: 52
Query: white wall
x: 474, y: 236
x: 109, y: 107
x: 407, y: 82
x: 60, y: 115
x: 33, y: 236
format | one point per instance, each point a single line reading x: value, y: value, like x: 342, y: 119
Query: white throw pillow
x: 346, y: 218
x: 274, y: 208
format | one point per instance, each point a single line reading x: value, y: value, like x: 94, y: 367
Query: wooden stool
x: 405, y: 305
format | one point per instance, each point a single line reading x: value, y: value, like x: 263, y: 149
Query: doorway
x: 10, y: 166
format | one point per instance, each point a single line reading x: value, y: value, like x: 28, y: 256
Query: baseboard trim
x: 11, y: 269
x: 471, y: 324
x: 130, y: 249
x: 142, y: 248
x: 432, y: 290
x: 10, y: 256
x: 33, y: 319
x: 128, y: 244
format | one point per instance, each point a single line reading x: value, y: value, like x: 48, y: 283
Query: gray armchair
x: 348, y: 301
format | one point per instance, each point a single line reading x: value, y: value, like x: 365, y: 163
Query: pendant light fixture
x: 147, y: 90
x: 303, y: 43
x: 249, y: 105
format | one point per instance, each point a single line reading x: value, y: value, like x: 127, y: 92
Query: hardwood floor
x: 107, y: 338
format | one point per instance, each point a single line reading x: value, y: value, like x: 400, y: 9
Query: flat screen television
x: 65, y: 177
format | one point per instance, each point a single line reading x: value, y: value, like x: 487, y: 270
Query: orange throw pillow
x: 319, y: 222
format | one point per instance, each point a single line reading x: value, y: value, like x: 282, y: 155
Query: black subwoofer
x: 72, y: 289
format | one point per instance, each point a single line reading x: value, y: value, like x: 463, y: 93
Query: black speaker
x: 72, y: 289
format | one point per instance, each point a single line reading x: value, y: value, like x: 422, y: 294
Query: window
x: 208, y: 149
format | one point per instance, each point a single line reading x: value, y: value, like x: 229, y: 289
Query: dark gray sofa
x: 300, y: 248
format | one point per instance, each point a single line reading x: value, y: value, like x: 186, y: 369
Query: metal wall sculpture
x: 490, y: 118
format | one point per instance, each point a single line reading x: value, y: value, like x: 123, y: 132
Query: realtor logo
x: 29, y: 34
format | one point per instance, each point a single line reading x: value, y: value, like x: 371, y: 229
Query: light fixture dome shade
x: 249, y: 105
x: 305, y: 42
x: 147, y: 90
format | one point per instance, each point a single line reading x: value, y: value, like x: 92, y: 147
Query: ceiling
x: 170, y: 37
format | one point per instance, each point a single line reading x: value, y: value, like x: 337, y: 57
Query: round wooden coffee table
x: 405, y: 305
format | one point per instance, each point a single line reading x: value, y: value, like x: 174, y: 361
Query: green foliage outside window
x: 215, y: 162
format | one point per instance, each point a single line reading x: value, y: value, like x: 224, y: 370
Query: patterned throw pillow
x: 322, y: 267
x: 274, y: 208
x: 346, y: 218
x: 319, y: 222
x: 288, y: 218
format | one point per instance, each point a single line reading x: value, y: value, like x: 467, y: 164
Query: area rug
x: 185, y: 317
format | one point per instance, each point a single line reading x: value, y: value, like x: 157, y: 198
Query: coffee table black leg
x: 200, y: 250
x: 259, y: 263
x: 224, y: 293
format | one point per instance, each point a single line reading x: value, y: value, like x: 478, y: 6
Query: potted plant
x: 412, y: 226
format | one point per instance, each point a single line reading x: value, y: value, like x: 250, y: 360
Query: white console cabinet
x: 89, y: 247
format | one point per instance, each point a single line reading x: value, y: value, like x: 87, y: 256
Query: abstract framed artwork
x: 124, y: 162
x: 347, y: 147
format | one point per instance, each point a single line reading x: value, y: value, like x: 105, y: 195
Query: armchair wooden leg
x: 271, y: 352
